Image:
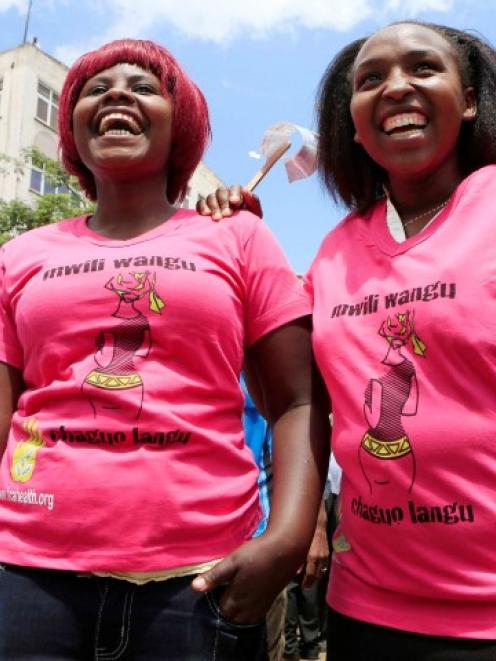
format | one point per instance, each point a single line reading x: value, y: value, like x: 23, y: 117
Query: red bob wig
x: 190, y: 121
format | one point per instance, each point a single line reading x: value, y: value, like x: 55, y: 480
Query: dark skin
x: 401, y: 70
x: 408, y: 106
x: 224, y: 201
x: 130, y: 169
x: 296, y: 406
x: 317, y: 559
x: 411, y: 70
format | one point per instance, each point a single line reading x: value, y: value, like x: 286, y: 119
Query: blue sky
x: 257, y: 61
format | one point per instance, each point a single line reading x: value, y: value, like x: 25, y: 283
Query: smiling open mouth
x: 117, y: 123
x: 404, y: 122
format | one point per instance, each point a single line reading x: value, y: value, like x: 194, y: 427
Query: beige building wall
x: 203, y: 182
x: 21, y: 71
x: 30, y: 81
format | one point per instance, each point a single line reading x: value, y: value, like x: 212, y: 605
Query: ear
x: 356, y: 138
x: 470, y: 112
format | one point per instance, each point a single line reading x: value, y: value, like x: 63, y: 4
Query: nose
x: 398, y: 84
x: 118, y: 94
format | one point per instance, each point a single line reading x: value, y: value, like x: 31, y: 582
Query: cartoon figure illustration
x: 116, y: 385
x: 385, y: 453
x: 24, y: 457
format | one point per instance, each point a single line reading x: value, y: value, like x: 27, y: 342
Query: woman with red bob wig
x: 128, y: 498
x: 190, y: 121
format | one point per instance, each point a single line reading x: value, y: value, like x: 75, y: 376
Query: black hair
x: 348, y: 172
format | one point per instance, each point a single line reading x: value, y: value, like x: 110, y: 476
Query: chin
x: 116, y: 159
x: 411, y: 167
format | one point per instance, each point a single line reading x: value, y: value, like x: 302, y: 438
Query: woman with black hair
x: 408, y: 142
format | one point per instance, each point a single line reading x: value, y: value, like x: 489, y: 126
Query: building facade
x: 30, y: 84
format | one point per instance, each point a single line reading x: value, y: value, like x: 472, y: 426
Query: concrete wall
x: 21, y: 69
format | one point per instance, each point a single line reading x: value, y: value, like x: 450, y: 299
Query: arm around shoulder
x: 296, y: 406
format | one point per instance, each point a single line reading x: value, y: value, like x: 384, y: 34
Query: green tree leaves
x: 17, y: 216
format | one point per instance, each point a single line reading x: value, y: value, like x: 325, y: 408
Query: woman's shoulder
x: 486, y: 172
x: 243, y: 219
x: 476, y: 193
x: 482, y: 179
x: 42, y: 231
x: 38, y: 239
x: 347, y: 229
x: 235, y: 230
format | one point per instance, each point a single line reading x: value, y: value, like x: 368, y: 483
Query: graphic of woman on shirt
x: 115, y: 387
x: 385, y: 453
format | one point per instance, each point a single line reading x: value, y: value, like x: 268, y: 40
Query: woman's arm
x: 296, y: 406
x: 11, y: 386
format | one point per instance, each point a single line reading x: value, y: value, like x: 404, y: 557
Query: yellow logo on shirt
x: 24, y: 458
x: 340, y: 544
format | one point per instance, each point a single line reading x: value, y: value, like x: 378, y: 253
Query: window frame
x: 46, y: 188
x: 50, y: 98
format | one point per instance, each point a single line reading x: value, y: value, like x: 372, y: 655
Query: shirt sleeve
x: 275, y: 295
x: 308, y: 284
x: 10, y: 349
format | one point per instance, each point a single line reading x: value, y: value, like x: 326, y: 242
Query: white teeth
x: 414, y: 119
x: 117, y: 132
x: 112, y: 123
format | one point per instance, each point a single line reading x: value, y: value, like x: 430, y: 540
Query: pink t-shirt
x: 127, y: 450
x: 405, y: 336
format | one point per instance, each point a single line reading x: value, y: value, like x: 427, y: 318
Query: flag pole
x: 269, y: 163
x: 26, y: 25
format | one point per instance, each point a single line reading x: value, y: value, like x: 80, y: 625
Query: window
x: 42, y: 185
x: 37, y: 180
x: 47, y: 107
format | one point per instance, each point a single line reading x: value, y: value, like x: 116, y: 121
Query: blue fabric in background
x: 259, y: 439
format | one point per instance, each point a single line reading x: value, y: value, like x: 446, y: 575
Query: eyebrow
x: 132, y: 79
x: 412, y: 54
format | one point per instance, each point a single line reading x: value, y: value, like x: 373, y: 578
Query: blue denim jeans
x: 48, y: 615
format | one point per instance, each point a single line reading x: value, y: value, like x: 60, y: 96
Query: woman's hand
x: 297, y: 408
x: 317, y: 562
x: 225, y: 201
x: 253, y: 576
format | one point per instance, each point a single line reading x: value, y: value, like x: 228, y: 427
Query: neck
x: 128, y: 209
x: 424, y: 194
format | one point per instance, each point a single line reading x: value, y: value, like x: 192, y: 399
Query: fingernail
x: 217, y: 215
x: 199, y: 583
